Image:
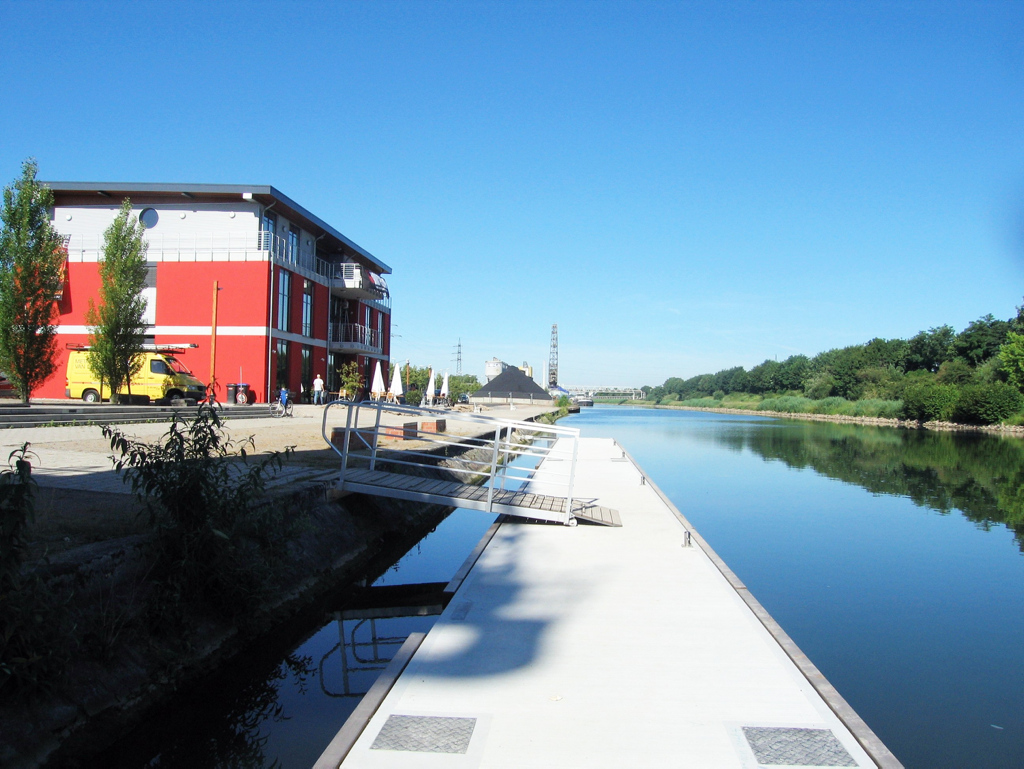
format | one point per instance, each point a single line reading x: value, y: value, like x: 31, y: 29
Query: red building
x: 268, y: 292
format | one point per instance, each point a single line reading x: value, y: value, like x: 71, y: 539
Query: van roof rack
x: 145, y: 347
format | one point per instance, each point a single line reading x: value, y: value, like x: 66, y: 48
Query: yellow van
x: 161, y: 376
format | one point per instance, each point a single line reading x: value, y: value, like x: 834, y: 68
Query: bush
x: 820, y: 386
x: 218, y: 542
x: 987, y: 404
x: 718, y: 395
x: 786, y: 404
x: 701, y: 403
x: 929, y: 401
x: 35, y: 637
x: 831, y: 405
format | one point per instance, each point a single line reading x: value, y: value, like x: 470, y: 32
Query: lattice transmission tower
x: 553, y: 358
x: 458, y: 358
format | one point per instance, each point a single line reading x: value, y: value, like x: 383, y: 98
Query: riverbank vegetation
x: 975, y: 377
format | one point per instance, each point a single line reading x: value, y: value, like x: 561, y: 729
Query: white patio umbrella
x: 396, y: 383
x: 428, y: 396
x: 444, y: 386
x: 377, y: 388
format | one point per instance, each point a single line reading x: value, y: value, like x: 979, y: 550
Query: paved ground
x: 602, y: 647
x: 78, y: 457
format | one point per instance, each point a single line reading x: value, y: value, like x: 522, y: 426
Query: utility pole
x: 213, y: 341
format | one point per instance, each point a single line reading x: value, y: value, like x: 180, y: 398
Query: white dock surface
x: 602, y: 647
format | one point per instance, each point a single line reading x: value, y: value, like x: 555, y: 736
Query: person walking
x: 318, y: 391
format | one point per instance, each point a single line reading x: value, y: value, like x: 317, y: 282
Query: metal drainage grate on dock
x: 777, y: 746
x: 425, y: 734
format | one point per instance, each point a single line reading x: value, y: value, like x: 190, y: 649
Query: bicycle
x: 278, y: 410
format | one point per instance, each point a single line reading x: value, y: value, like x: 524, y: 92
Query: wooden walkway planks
x: 510, y: 502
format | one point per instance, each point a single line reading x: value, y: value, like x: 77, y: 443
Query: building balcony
x: 354, y: 337
x: 356, y: 282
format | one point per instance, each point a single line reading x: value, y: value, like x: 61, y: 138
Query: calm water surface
x: 889, y: 556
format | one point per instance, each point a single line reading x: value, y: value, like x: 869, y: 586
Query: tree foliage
x: 933, y: 371
x: 219, y: 540
x: 1011, y: 355
x: 928, y: 349
x: 987, y: 404
x: 349, y: 379
x: 117, y: 328
x: 32, y: 259
x: 981, y: 339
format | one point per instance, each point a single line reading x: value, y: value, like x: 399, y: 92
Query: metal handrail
x: 222, y: 244
x: 355, y: 333
x: 503, y: 440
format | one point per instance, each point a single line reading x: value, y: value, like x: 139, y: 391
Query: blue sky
x: 682, y: 187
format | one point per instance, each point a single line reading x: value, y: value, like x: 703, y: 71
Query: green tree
x: 792, y: 372
x: 462, y: 383
x: 928, y: 349
x: 32, y: 258
x: 350, y: 380
x: 764, y: 377
x: 891, y: 353
x: 1011, y: 355
x: 117, y: 329
x: 981, y: 339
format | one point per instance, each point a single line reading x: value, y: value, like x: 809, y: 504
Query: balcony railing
x: 355, y: 335
x: 354, y: 279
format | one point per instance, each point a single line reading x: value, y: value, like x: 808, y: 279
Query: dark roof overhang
x: 84, y: 193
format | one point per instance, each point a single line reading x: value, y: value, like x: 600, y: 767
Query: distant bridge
x: 634, y: 393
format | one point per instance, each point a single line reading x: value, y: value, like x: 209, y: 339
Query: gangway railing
x: 491, y: 453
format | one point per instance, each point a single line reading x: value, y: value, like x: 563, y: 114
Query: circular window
x: 149, y: 217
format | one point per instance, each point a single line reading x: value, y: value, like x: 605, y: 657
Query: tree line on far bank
x: 975, y: 376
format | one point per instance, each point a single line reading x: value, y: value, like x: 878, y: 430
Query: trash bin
x: 232, y: 393
x: 243, y: 394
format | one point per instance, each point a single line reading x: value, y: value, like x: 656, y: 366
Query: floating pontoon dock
x: 596, y: 646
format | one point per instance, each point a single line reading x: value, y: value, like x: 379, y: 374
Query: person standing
x: 318, y: 391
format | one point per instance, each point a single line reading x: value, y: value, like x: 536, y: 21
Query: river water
x: 889, y: 556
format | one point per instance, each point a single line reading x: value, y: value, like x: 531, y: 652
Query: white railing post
x: 572, y: 475
x: 376, y: 435
x: 494, y: 467
x: 348, y: 439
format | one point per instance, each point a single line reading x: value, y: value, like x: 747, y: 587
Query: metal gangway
x: 461, y: 459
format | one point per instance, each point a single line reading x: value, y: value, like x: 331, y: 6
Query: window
x: 367, y: 323
x: 293, y: 243
x: 282, y: 363
x: 284, y: 299
x: 268, y: 228
x: 307, y: 367
x: 157, y: 366
x: 307, y: 308
x: 334, y: 362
